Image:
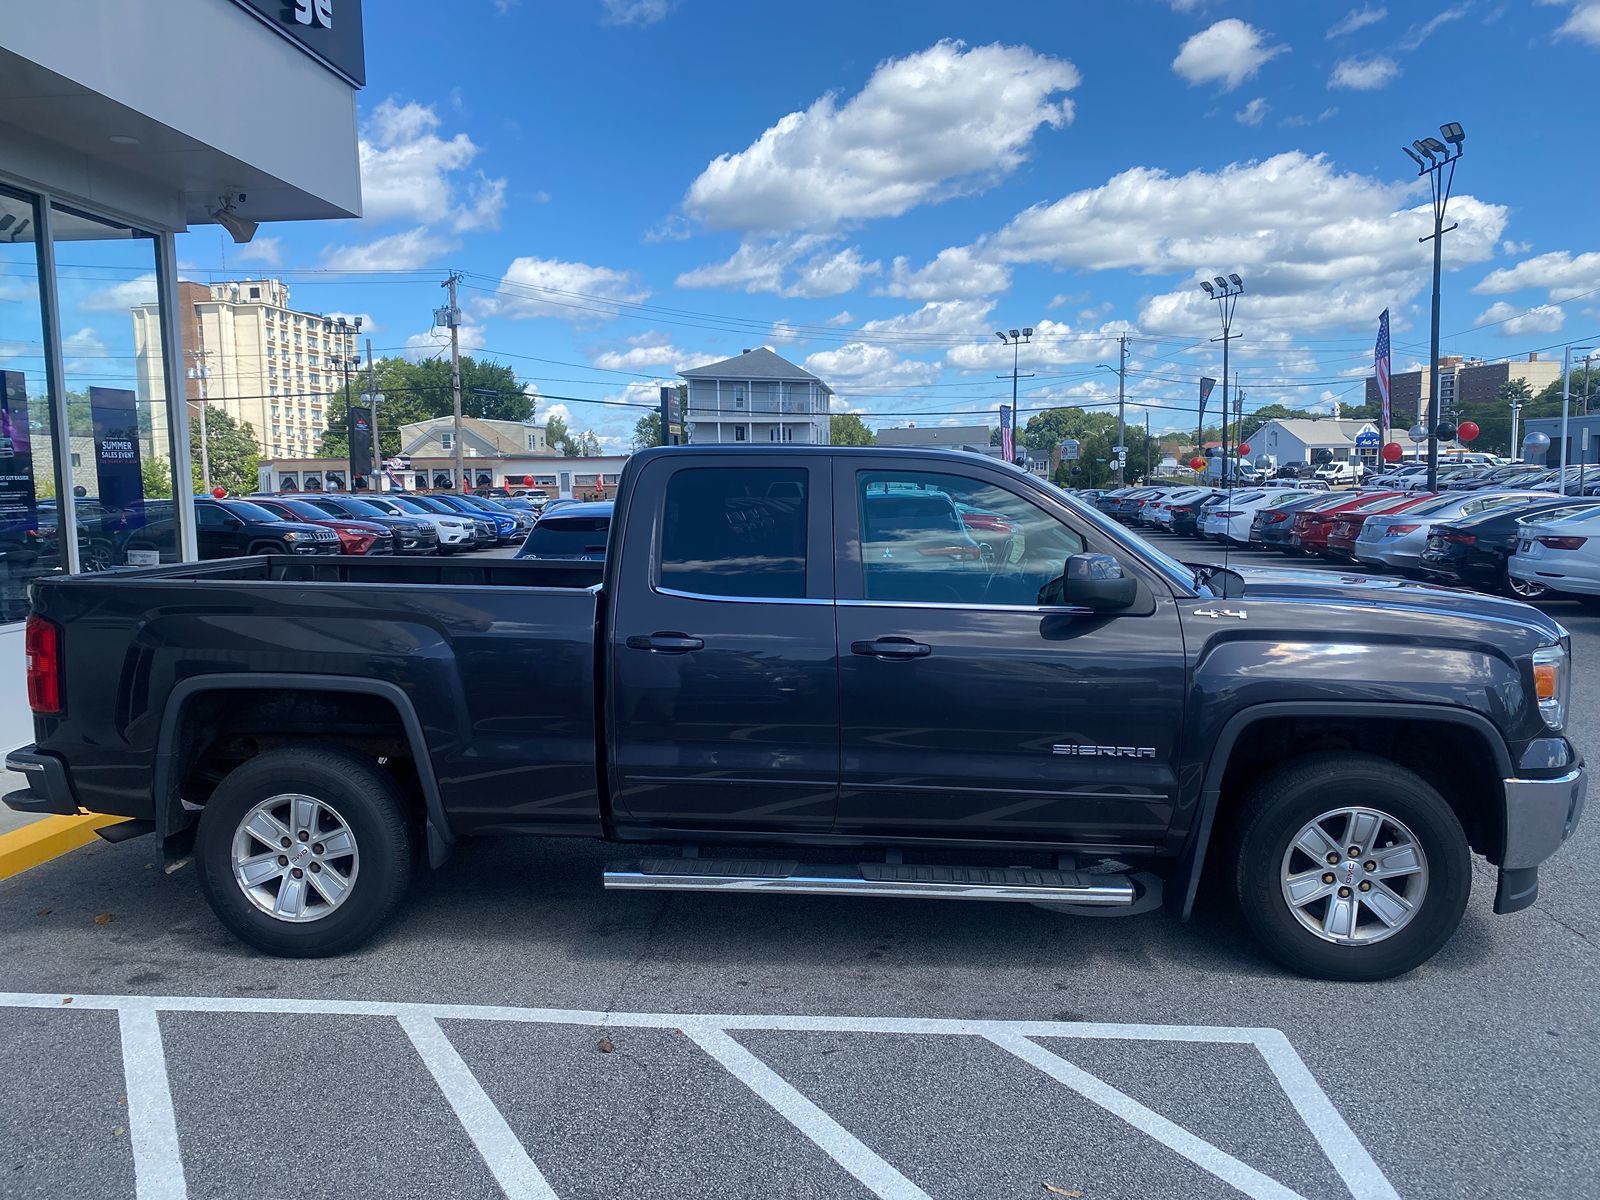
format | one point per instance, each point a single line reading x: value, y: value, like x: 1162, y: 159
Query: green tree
x: 646, y: 431
x: 847, y: 429
x: 157, y: 478
x: 556, y: 435
x: 419, y: 391
x: 585, y: 444
x: 234, y: 455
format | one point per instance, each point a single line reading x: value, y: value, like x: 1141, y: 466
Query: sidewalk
x: 10, y: 781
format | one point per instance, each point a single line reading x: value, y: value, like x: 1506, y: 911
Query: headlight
x: 294, y: 535
x: 449, y: 524
x: 1551, y: 679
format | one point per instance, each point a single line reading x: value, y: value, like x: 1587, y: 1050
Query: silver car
x: 1397, y: 540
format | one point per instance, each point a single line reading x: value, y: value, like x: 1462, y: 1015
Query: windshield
x: 248, y: 511
x: 361, y: 508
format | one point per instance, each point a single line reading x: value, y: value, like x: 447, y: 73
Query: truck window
x: 944, y: 539
x: 735, y: 532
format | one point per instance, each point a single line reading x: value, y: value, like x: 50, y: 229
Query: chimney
x: 746, y: 350
x: 1533, y: 356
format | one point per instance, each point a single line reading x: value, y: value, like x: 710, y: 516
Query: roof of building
x: 506, y: 437
x: 1329, y: 431
x: 759, y: 363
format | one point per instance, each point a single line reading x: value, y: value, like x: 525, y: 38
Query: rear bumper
x: 1540, y: 816
x: 48, y: 789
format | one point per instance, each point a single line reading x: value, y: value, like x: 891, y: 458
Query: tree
x: 847, y: 429
x: 420, y: 391
x: 585, y: 444
x: 234, y: 454
x: 156, y: 477
x: 646, y: 431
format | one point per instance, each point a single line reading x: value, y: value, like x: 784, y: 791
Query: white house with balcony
x: 756, y: 397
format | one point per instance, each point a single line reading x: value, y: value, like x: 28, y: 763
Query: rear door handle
x: 665, y: 643
x: 891, y: 647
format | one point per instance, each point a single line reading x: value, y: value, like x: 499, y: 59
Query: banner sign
x: 1007, y: 434
x: 671, y: 417
x: 1206, y: 384
x: 19, y: 503
x: 360, y: 445
x: 116, y: 447
x: 1071, y: 450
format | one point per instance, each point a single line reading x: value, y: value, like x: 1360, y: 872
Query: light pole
x: 1015, y: 340
x: 1439, y: 157
x: 1566, y: 406
x: 201, y: 373
x: 1226, y: 293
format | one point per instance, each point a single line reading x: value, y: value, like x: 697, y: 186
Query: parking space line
x: 501, y: 1149
x: 1174, y: 1137
x: 152, y: 1126
x: 832, y: 1138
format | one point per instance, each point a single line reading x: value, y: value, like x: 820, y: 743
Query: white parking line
x: 159, y: 1170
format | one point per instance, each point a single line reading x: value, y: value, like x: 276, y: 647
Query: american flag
x: 1380, y: 364
x: 1006, y: 450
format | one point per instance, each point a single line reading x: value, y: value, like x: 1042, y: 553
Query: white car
x: 455, y: 533
x: 1562, y: 555
x: 1160, y: 513
x: 1231, y: 520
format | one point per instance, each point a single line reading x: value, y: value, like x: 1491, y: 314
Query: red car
x: 1341, y: 539
x: 1309, y: 534
x: 355, y: 537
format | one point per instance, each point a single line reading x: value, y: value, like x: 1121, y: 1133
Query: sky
x: 631, y: 187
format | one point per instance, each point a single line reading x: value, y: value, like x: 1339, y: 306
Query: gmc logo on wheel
x: 1074, y: 751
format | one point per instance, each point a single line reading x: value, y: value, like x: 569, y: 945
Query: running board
x: 1023, y: 884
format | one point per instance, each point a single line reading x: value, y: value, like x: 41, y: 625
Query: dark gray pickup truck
x: 823, y: 671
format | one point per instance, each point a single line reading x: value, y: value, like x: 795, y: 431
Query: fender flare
x: 1184, y: 881
x: 169, y: 814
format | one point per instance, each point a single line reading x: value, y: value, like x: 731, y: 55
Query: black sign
x: 360, y: 443
x: 671, y: 417
x: 116, y: 448
x: 329, y: 30
x: 19, y: 505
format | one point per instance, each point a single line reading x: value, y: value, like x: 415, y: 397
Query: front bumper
x: 1540, y: 816
x: 48, y: 789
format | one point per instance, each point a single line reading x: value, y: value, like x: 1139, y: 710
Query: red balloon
x: 1244, y: 448
x: 1466, y: 431
x: 1197, y: 463
x: 219, y: 492
x: 527, y: 481
x: 1393, y: 452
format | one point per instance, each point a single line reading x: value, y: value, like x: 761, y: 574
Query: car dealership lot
x: 1472, y: 1074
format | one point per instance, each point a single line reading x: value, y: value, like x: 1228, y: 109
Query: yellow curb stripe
x: 48, y: 837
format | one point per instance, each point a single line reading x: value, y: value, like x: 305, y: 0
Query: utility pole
x: 1147, y: 467
x: 200, y: 372
x: 453, y: 316
x: 1122, y: 413
x: 377, y: 438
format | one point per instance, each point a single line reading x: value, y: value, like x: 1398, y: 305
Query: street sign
x: 1071, y: 450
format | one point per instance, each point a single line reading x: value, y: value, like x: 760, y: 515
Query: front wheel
x: 304, y: 851
x: 1350, y: 867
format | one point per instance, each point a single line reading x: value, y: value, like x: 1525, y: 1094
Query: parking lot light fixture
x: 1440, y: 157
x: 1566, y: 403
x: 1226, y: 293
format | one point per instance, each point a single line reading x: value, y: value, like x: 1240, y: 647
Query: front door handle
x: 891, y: 647
x: 665, y: 643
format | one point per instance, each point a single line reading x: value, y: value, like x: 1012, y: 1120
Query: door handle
x: 891, y: 647
x: 665, y: 643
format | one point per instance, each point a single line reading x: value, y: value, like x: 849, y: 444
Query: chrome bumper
x: 1540, y: 815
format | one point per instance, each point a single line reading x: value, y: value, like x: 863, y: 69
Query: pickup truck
x: 822, y: 670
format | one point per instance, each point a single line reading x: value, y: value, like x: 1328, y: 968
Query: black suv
x: 412, y: 535
x: 230, y: 528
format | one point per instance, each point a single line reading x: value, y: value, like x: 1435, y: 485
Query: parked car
x: 501, y: 526
x: 1183, y: 512
x: 1308, y: 531
x: 1398, y: 540
x: 483, y: 531
x: 1295, y: 471
x: 577, y: 532
x: 1561, y: 554
x: 413, y: 534
x: 521, y: 521
x: 1229, y: 521
x: 1337, y: 474
x: 1341, y: 533
x: 1477, y: 550
x: 229, y: 529
x: 735, y: 674
x: 1270, y: 526
x: 455, y: 532
x: 355, y: 537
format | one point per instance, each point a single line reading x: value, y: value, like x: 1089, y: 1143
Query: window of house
x: 533, y: 441
x: 447, y: 441
x: 255, y: 293
x: 738, y: 433
x: 738, y: 399
x: 735, y: 532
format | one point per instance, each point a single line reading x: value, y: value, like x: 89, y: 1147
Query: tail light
x: 1229, y: 513
x: 1464, y: 539
x: 1183, y: 508
x: 1562, y: 543
x: 41, y: 643
x: 1400, y: 530
x: 1275, y: 518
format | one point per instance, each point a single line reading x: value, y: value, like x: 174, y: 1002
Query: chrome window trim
x: 682, y: 595
x: 1036, y: 609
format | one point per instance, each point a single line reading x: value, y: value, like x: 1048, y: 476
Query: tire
x: 266, y: 548
x: 363, y: 802
x: 1287, y: 802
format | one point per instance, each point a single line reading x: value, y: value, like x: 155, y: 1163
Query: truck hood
x: 1395, y: 595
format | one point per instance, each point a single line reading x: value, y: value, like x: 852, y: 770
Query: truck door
x: 972, y: 707
x: 723, y: 699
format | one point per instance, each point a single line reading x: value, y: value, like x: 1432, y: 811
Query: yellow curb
x: 48, y: 837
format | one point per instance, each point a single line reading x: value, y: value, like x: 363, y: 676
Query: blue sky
x: 633, y: 186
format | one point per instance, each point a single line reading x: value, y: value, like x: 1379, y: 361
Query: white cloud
x: 867, y: 365
x: 86, y: 343
x: 1510, y: 247
x: 1364, y: 74
x: 1583, y: 22
x: 1356, y: 18
x: 954, y: 273
x: 567, y: 291
x: 1512, y: 321
x: 1418, y: 34
x: 1253, y: 113
x: 120, y: 297
x: 404, y: 251
x: 431, y: 343
x: 764, y: 265
x: 635, y: 12
x: 368, y: 325
x: 268, y: 251
x: 1054, y: 344
x: 486, y: 200
x: 1562, y: 273
x: 405, y: 164
x: 1228, y: 52
x: 650, y: 349
x: 926, y: 127
x: 1328, y: 113
x: 938, y: 320
x: 1185, y: 6
x: 838, y: 319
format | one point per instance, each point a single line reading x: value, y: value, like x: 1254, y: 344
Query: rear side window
x: 575, y: 536
x: 736, y: 532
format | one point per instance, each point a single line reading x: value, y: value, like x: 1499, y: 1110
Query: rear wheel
x: 1350, y: 867
x: 304, y: 851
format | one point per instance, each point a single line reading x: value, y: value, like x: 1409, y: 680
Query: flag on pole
x: 1206, y: 384
x: 1380, y: 366
x: 1006, y: 448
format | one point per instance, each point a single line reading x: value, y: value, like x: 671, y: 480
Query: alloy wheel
x: 295, y: 857
x: 1354, y: 876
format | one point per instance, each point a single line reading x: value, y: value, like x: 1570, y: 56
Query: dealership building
x: 122, y: 125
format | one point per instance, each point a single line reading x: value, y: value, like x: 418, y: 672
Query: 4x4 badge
x: 1220, y: 612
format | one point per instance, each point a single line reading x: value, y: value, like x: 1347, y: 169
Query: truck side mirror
x: 1096, y: 581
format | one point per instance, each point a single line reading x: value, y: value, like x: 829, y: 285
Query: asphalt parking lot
x: 518, y: 1031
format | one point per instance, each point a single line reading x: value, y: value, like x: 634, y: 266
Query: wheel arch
x: 172, y: 819
x: 1480, y: 809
